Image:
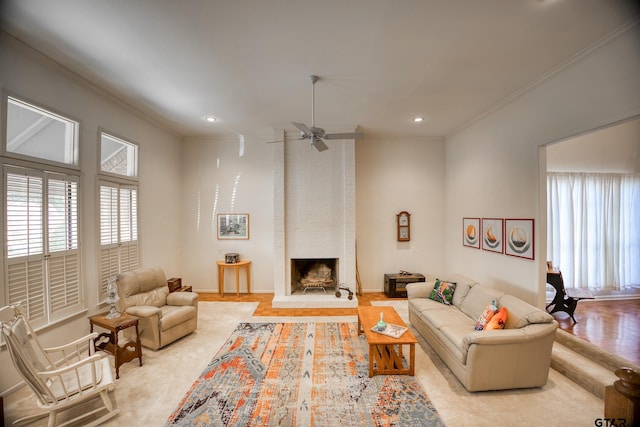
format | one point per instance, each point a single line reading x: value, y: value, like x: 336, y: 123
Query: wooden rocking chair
x: 60, y: 377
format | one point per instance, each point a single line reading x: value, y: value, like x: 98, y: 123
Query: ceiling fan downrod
x: 313, y: 79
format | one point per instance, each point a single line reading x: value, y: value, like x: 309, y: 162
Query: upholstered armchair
x: 164, y: 317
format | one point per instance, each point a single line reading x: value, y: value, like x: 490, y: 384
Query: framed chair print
x: 233, y: 226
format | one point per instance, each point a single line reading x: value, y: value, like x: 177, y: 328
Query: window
x: 593, y: 224
x: 119, y: 248
x: 40, y: 213
x: 42, y: 262
x: 117, y: 156
x: 37, y: 133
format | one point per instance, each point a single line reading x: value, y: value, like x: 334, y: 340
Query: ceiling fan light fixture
x: 418, y: 119
x: 211, y: 119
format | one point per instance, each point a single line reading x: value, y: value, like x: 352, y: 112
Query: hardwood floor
x: 613, y: 325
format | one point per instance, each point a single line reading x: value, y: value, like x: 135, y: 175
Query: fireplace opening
x: 313, y: 274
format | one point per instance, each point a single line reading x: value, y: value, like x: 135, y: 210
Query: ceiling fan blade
x: 319, y: 144
x: 282, y: 140
x: 352, y: 135
x: 303, y: 128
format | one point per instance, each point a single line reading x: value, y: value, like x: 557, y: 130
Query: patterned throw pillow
x: 497, y: 321
x: 443, y: 291
x: 489, y: 311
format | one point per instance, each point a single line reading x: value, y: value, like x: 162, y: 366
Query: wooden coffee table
x: 385, y: 353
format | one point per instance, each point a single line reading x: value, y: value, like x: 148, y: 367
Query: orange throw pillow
x: 498, y: 320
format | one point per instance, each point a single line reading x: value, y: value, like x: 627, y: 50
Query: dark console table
x: 395, y: 284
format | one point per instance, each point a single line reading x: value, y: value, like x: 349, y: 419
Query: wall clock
x: 404, y: 226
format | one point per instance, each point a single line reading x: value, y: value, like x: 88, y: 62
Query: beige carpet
x: 147, y: 395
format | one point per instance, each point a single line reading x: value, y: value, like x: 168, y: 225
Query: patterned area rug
x: 300, y: 374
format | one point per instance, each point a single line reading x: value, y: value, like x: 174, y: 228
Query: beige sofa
x: 517, y: 356
x: 164, y: 317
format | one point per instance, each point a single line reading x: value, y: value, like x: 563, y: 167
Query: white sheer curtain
x: 593, y: 229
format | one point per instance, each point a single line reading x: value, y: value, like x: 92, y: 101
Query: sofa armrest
x: 182, y: 298
x: 419, y: 289
x: 144, y: 311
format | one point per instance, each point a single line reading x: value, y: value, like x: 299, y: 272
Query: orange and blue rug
x: 300, y: 374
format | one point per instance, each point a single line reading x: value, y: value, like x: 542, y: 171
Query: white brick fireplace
x: 314, y: 215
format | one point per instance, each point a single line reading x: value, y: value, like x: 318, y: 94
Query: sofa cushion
x: 448, y: 316
x: 498, y: 320
x: 419, y: 289
x: 443, y: 291
x: 475, y: 302
x: 453, y: 337
x: 463, y: 286
x: 521, y: 314
x: 420, y: 305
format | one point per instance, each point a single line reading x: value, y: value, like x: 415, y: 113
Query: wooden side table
x: 108, y: 341
x: 222, y: 265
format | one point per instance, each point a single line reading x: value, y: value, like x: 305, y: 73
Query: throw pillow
x: 498, y: 320
x: 489, y: 311
x: 443, y: 291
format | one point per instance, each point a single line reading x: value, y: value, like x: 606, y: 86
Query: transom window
x: 34, y: 132
x: 117, y: 156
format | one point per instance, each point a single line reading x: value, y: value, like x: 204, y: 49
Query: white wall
x: 492, y: 166
x: 391, y: 176
x: 614, y: 149
x: 394, y: 175
x: 26, y: 73
x: 216, y: 179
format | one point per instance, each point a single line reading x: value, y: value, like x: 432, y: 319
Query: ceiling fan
x: 317, y: 135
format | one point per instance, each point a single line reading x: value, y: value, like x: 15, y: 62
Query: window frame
x: 119, y: 245
x: 136, y: 161
x: 75, y: 150
x: 118, y: 181
x: 54, y: 273
x: 52, y: 262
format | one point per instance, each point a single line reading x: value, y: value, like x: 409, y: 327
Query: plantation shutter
x: 108, y: 235
x: 65, y: 293
x: 119, y: 249
x: 42, y: 256
x: 129, y: 228
x: 24, y: 225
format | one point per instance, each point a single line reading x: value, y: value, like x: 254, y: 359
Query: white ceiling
x: 247, y: 62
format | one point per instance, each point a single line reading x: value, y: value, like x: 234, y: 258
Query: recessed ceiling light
x: 418, y: 119
x: 210, y: 119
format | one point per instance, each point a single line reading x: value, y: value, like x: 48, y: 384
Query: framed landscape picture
x: 233, y: 226
x: 471, y: 232
x: 492, y: 235
x: 519, y: 238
